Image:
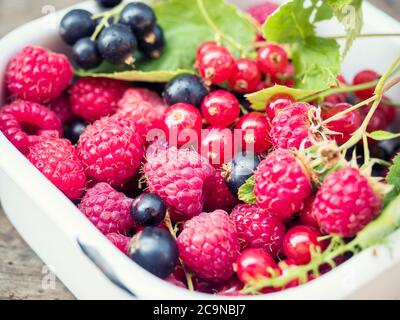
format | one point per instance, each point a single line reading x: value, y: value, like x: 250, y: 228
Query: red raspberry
x: 282, y: 184
x: 111, y: 150
x: 25, y: 123
x: 258, y: 229
x: 94, y: 98
x: 209, y: 246
x: 107, y: 209
x: 38, y: 75
x: 306, y: 216
x: 262, y: 11
x: 346, y: 203
x: 218, y: 195
x: 61, y: 107
x: 144, y: 107
x: 56, y: 159
x: 291, y: 127
x: 120, y: 241
x: 178, y: 177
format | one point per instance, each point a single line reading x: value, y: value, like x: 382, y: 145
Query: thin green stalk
x: 105, y: 17
x: 367, y: 35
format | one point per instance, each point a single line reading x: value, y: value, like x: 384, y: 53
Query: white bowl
x: 64, y: 238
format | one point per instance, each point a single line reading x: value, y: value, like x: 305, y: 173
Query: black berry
x: 76, y: 25
x: 240, y: 169
x: 139, y: 16
x: 185, y: 88
x: 108, y: 3
x: 152, y: 44
x: 73, y: 129
x: 148, y: 210
x: 155, y: 250
x: 117, y: 44
x: 85, y: 54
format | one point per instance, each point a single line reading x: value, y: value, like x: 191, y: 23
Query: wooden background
x: 21, y: 271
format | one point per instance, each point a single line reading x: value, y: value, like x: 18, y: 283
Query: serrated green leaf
x: 246, y: 192
x: 259, y: 99
x: 317, y: 62
x: 393, y: 178
x: 324, y: 12
x: 381, y: 135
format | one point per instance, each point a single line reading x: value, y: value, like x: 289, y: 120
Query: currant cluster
x: 114, y: 36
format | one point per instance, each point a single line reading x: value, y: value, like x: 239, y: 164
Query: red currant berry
x: 216, y: 64
x: 272, y: 59
x: 255, y: 129
x: 340, y: 78
x: 378, y: 121
x: 204, y: 47
x: 183, y: 124
x: 277, y: 103
x: 217, y: 145
x: 365, y: 76
x: 285, y: 78
x: 306, y: 217
x: 300, y: 241
x: 220, y: 108
x: 255, y: 263
x: 345, y: 124
x: 247, y: 76
x: 389, y: 111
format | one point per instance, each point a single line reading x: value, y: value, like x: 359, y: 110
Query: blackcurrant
x: 85, y: 54
x: 117, y: 44
x: 155, y: 250
x: 76, y: 25
x: 73, y: 129
x: 186, y: 88
x: 148, y: 210
x: 108, y: 3
x: 139, y: 16
x: 240, y: 169
x: 152, y: 44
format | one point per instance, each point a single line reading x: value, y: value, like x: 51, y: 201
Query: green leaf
x: 393, y: 178
x: 259, y: 99
x: 349, y: 13
x: 317, y: 62
x: 246, y: 191
x: 381, y: 135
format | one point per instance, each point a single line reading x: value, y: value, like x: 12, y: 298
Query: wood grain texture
x: 21, y: 271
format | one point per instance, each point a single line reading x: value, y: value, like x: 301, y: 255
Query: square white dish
x: 52, y: 225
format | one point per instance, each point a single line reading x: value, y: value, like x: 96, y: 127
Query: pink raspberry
x: 209, y: 246
x: 61, y: 107
x: 346, y: 203
x: 26, y: 123
x: 56, y: 159
x: 262, y: 11
x: 107, y: 209
x: 94, y: 98
x: 144, y: 107
x: 282, y: 184
x: 258, y: 229
x: 291, y: 127
x: 178, y: 176
x: 218, y: 196
x: 111, y: 150
x: 120, y: 241
x: 38, y: 75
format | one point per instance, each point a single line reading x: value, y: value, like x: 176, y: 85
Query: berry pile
x: 187, y: 181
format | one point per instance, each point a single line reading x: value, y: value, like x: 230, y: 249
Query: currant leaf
x: 246, y: 192
x: 393, y: 178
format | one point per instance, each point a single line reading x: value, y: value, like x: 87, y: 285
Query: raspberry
x: 144, y: 107
x: 282, y: 184
x: 38, y: 75
x: 61, y: 107
x: 209, y: 246
x: 94, y: 98
x: 258, y: 229
x: 25, y: 123
x: 178, y: 177
x: 262, y: 11
x: 111, y: 150
x: 291, y: 127
x: 218, y: 195
x: 346, y: 203
x: 107, y: 209
x: 120, y: 241
x: 56, y: 159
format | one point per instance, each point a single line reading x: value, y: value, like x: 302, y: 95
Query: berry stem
x: 105, y: 17
x: 213, y: 26
x: 366, y: 35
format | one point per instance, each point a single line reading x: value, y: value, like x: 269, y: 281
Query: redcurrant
x: 365, y: 76
x: 272, y: 59
x: 277, y: 103
x: 247, y: 76
x: 204, y: 47
x: 220, y: 108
